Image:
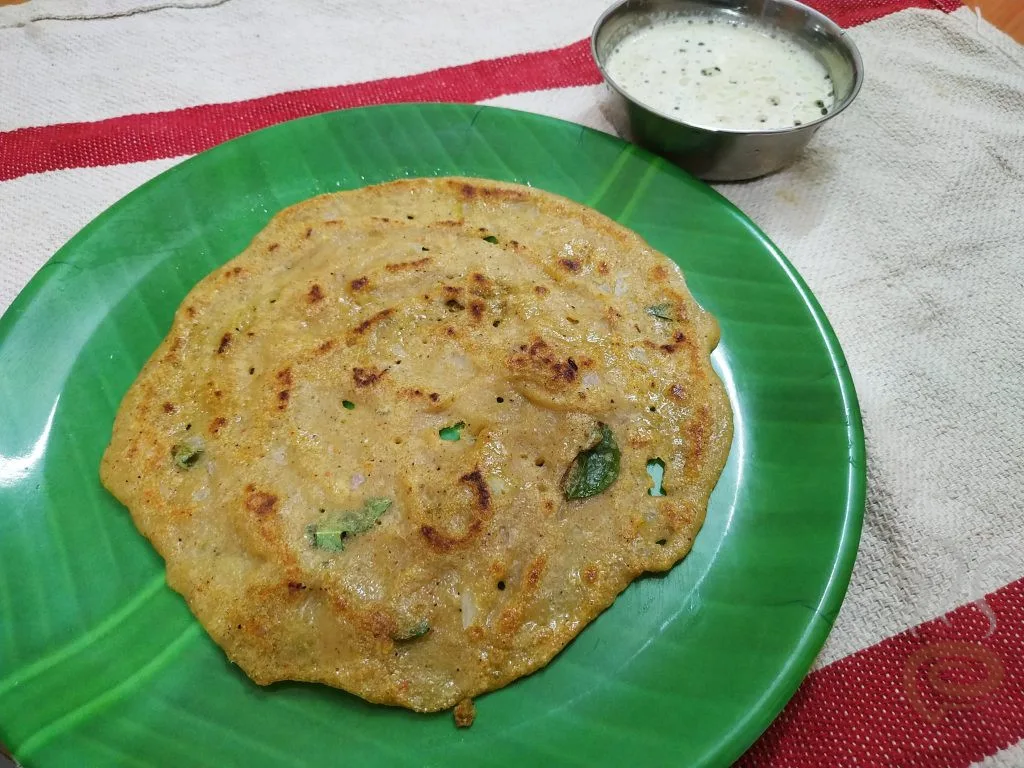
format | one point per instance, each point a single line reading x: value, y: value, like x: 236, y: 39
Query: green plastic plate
x: 102, y: 664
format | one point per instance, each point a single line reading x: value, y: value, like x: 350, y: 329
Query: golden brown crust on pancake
x: 314, y: 374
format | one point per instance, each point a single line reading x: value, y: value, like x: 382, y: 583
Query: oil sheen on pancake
x: 400, y: 444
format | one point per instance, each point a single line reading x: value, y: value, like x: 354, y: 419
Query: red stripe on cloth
x: 945, y: 694
x: 850, y: 13
x: 135, y: 138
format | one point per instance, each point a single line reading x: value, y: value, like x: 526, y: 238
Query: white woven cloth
x: 906, y: 218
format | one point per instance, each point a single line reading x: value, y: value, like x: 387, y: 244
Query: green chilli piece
x: 594, y: 469
x: 186, y: 454
x: 662, y: 311
x: 348, y: 405
x: 330, y: 534
x: 491, y: 239
x: 452, y: 433
x: 411, y: 633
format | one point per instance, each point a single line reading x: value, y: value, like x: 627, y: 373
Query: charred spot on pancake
x: 233, y: 272
x: 442, y: 543
x: 217, y: 425
x: 190, y: 311
x: 309, y: 231
x: 259, y: 502
x: 452, y: 295
x: 367, y: 377
x: 540, y: 290
x: 659, y: 273
x: 602, y: 268
x: 483, y: 494
x: 476, y: 309
x: 479, y: 511
x: 284, y: 378
x: 677, y: 392
x: 315, y: 294
x: 496, y: 193
x: 539, y: 360
x: 566, y: 370
x: 273, y: 247
x: 570, y: 265
x: 535, y: 571
x: 296, y: 586
x: 481, y: 285
x: 373, y: 320
x: 225, y: 342
x: 406, y: 266
x: 434, y: 397
x: 678, y: 340
x: 169, y: 408
x: 696, y: 437
x: 359, y: 284
x: 325, y: 346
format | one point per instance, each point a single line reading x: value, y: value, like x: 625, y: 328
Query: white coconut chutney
x: 717, y: 73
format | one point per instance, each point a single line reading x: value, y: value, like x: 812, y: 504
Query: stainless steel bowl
x: 729, y: 155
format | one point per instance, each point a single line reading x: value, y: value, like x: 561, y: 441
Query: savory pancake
x: 400, y: 445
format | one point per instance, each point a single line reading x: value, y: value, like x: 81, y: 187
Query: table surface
x: 1008, y: 15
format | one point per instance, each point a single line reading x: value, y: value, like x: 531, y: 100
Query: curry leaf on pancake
x: 661, y: 311
x: 411, y: 633
x: 363, y: 520
x: 594, y: 469
x: 331, y: 533
x: 186, y: 454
